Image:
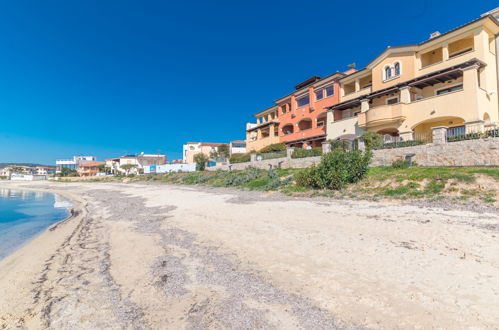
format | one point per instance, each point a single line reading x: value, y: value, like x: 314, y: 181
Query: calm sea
x: 25, y: 214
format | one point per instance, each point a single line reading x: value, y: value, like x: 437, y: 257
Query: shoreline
x: 22, y: 267
x: 161, y: 256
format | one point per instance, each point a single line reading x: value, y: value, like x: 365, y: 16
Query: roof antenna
x: 352, y: 66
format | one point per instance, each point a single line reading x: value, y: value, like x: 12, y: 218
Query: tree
x: 200, y: 160
x: 67, y: 172
x: 104, y: 169
x: 223, y: 151
x: 128, y: 167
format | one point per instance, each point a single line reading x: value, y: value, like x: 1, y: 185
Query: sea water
x: 25, y: 214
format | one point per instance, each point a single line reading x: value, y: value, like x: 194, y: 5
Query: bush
x: 273, y: 148
x: 336, y: 169
x: 401, y: 144
x: 240, y: 158
x: 372, y: 140
x: 463, y: 137
x: 307, y: 177
x: 239, y: 178
x: 344, y: 145
x: 401, y: 163
x: 302, y: 153
x: 201, y: 160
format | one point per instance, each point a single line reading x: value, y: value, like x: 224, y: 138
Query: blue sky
x: 112, y: 77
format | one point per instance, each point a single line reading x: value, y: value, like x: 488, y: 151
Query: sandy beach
x: 153, y: 256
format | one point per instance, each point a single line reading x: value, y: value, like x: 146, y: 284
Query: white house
x: 237, y: 147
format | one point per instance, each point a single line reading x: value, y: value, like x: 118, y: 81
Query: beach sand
x: 167, y: 257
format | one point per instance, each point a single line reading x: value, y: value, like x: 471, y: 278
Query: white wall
x: 167, y: 168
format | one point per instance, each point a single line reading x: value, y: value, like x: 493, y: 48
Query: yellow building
x: 449, y: 80
x: 264, y: 132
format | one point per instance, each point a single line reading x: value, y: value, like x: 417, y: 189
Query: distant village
x: 127, y: 165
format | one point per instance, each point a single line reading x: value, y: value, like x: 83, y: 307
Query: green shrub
x: 302, y: 153
x: 238, y: 178
x: 401, y: 163
x: 273, y: 148
x: 240, y: 158
x: 275, y: 181
x: 307, y: 178
x: 336, y: 169
x: 463, y: 137
x: 400, y: 144
x: 201, y: 160
x: 372, y: 140
x: 345, y: 145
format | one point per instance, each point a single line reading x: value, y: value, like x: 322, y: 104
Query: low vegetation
x: 343, y: 174
x: 303, y: 153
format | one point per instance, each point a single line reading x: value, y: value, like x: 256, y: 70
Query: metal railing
x: 391, y: 142
x: 456, y: 134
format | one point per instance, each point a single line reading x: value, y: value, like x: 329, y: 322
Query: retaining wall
x: 463, y: 153
x: 481, y: 152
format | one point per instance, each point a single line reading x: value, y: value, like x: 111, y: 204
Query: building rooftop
x: 92, y: 164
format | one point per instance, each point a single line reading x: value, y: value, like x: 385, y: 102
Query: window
x: 396, y: 68
x: 393, y: 100
x: 449, y: 90
x: 319, y: 94
x: 329, y: 90
x: 388, y: 72
x: 283, y: 109
x: 303, y: 101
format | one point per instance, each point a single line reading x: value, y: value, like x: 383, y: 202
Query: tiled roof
x: 212, y: 144
x: 92, y: 164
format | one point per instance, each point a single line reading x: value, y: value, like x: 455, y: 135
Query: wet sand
x: 165, y: 257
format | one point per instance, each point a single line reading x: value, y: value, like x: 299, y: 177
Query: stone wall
x: 481, y: 152
x: 286, y: 162
x: 463, y: 153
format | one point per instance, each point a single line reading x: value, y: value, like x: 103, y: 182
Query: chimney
x: 434, y: 34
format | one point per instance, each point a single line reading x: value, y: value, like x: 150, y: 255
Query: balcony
x: 382, y: 115
x: 352, y: 95
x: 344, y: 128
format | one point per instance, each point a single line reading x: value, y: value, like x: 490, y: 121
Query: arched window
x: 388, y: 72
x: 397, y: 69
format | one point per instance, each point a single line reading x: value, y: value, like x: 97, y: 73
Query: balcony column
x: 364, y: 105
x: 258, y: 134
x: 472, y: 90
x: 357, y: 85
x: 407, y: 136
x: 405, y: 94
x: 445, y: 52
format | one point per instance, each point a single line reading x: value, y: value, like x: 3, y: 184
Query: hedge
x: 303, y: 153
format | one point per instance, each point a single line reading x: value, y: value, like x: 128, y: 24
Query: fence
x: 455, y: 134
x: 391, y: 142
x: 271, y: 155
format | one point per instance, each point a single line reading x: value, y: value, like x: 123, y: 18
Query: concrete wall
x: 463, y: 153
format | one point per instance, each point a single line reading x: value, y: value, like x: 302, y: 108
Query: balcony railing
x: 381, y: 115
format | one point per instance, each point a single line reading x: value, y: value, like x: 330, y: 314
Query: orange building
x: 300, y: 118
x: 90, y: 169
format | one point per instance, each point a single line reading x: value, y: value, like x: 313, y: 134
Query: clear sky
x: 107, y: 78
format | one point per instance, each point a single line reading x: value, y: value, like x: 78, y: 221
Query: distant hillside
x: 3, y: 165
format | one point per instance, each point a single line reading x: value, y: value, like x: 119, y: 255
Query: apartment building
x: 134, y: 164
x: 237, y: 147
x: 265, y: 131
x: 73, y: 163
x: 190, y: 149
x: 449, y: 80
x: 299, y: 118
x: 90, y: 169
